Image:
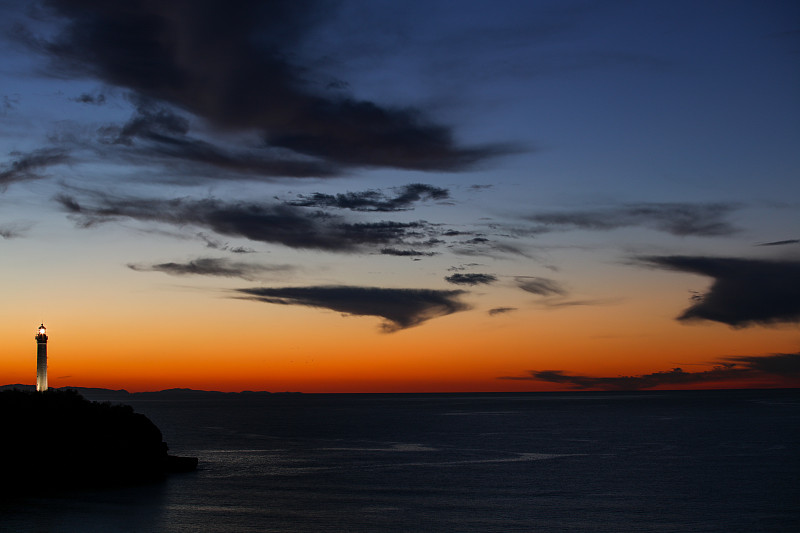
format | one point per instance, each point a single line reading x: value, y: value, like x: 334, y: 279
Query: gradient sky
x: 380, y: 196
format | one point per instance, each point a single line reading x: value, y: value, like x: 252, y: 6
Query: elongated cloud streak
x: 501, y: 310
x: 471, y: 279
x: 212, y: 266
x: 780, y: 243
x: 270, y: 223
x: 676, y: 218
x: 28, y: 166
x: 742, y: 368
x: 375, y: 200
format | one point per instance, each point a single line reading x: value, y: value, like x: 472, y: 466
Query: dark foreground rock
x: 59, y: 440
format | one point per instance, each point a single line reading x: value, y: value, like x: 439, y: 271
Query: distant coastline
x: 100, y: 394
x: 121, y: 395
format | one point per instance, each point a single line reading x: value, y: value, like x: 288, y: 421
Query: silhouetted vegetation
x: 58, y: 439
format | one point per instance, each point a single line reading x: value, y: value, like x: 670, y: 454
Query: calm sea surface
x: 714, y: 461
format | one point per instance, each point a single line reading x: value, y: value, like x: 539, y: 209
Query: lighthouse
x: 41, y: 359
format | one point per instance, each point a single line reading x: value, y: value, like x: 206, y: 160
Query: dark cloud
x: 540, y: 286
x: 279, y: 224
x: 88, y: 98
x: 501, y: 310
x: 783, y: 364
x: 28, y: 166
x: 211, y: 266
x: 156, y: 134
x: 780, y: 243
x: 401, y: 308
x: 236, y: 64
x: 471, y: 279
x: 149, y: 122
x: 406, y: 253
x: 676, y: 218
x: 744, y: 292
x: 403, y: 200
x: 746, y: 368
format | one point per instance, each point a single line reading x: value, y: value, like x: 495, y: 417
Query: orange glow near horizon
x: 347, y: 354
x: 193, y: 341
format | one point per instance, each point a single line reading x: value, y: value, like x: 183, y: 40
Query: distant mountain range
x: 99, y: 394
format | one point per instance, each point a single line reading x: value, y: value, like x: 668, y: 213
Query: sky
x: 417, y: 196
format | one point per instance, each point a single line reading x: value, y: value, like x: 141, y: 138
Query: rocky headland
x: 59, y: 440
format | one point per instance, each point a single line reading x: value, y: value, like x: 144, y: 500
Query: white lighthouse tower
x: 41, y: 359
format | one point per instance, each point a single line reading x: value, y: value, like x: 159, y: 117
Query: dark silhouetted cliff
x: 58, y: 439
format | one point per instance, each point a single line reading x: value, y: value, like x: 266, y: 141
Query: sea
x: 660, y: 461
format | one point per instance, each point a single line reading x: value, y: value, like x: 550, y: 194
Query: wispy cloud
x: 270, y: 223
x: 158, y: 135
x: 501, y: 310
x: 13, y: 231
x: 554, y: 294
x: 680, y: 219
x: 744, y: 291
x: 374, y: 200
x: 558, y: 303
x: 461, y: 268
x: 89, y: 98
x: 8, y: 103
x: 471, y: 279
x: 484, y: 247
x: 212, y: 266
x: 400, y: 308
x: 540, y: 286
x: 30, y: 165
x: 741, y: 368
x: 780, y: 243
x: 216, y: 244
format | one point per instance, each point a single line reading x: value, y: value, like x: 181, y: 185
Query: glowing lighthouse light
x: 41, y: 359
